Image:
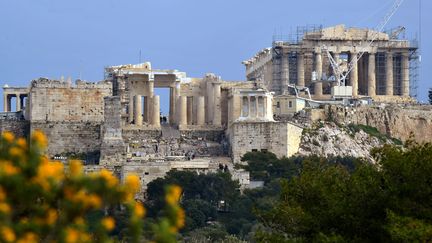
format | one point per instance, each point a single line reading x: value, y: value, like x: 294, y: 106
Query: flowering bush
x: 41, y: 201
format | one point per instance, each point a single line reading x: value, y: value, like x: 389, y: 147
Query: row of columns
x: 19, y: 105
x: 152, y: 111
x: 185, y: 110
x: 354, y: 82
x: 253, y: 108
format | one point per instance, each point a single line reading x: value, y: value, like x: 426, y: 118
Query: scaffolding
x: 381, y: 69
x: 414, y: 59
x: 295, y: 36
x: 292, y: 60
x: 397, y: 74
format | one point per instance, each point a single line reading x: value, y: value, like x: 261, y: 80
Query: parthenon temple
x: 383, y: 69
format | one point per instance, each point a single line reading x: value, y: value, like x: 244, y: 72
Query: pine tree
x: 430, y: 96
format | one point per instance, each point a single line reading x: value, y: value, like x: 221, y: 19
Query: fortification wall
x: 396, y: 121
x: 52, y: 100
x: 280, y: 138
x: 20, y: 128
x: 70, y: 137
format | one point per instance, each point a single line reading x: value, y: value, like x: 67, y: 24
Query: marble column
x: 285, y: 72
x: 217, y: 115
x: 389, y: 73
x: 405, y: 75
x: 354, y: 74
x: 209, y: 102
x: 172, y: 106
x: 336, y: 57
x: 189, y: 110
x: 253, y: 106
x: 300, y: 69
x: 200, y: 110
x: 138, y: 118
x: 249, y: 107
x: 149, y: 101
x: 18, y: 102
x: 371, y: 75
x: 156, y: 111
x: 318, y: 69
x: 182, y: 107
x: 5, y: 103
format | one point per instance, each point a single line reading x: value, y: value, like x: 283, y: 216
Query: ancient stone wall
x: 396, y: 121
x: 70, y: 137
x: 52, y: 100
x: 280, y: 138
x: 20, y: 128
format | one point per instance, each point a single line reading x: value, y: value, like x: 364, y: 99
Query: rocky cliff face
x: 399, y: 121
x: 328, y: 139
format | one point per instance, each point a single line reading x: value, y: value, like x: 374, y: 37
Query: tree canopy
x: 389, y: 201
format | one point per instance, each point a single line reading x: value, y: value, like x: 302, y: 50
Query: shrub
x: 41, y: 201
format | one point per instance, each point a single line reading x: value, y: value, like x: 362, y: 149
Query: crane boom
x: 341, y: 77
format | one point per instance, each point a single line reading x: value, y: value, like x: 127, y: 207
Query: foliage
x: 265, y: 166
x: 430, y: 96
x: 208, y: 199
x: 390, y: 201
x: 373, y: 131
x: 41, y: 201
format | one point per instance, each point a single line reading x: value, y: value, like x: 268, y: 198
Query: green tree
x: 430, y: 96
x: 390, y: 201
x: 202, y: 196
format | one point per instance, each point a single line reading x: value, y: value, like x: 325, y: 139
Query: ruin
x: 382, y: 72
x: 117, y: 123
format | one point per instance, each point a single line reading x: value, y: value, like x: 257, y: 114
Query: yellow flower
x: 108, y: 223
x: 75, y: 167
x: 139, y: 210
x: 28, y: 237
x: 53, y: 170
x: 8, y: 136
x: 108, y: 177
x: 22, y: 143
x: 15, y: 151
x: 79, y: 221
x: 8, y: 234
x: 8, y: 168
x: 4, y: 207
x: 40, y: 138
x: 2, y: 194
x: 72, y: 235
x: 132, y: 183
x: 173, y: 195
x: 51, y: 216
x: 94, y: 201
x: 180, y: 219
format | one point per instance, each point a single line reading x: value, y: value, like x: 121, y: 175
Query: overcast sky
x: 54, y: 38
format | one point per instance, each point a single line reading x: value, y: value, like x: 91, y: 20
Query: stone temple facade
x: 117, y: 124
x: 382, y: 72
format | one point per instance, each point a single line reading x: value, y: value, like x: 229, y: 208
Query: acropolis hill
x: 116, y: 123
